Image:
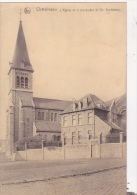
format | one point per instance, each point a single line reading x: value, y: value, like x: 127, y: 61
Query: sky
x: 75, y: 49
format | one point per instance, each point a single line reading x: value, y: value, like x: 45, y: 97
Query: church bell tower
x: 21, y: 107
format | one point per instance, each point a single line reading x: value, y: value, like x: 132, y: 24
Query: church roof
x: 117, y: 99
x: 47, y: 126
x: 27, y: 103
x: 21, y: 52
x: 51, y: 103
x: 93, y: 102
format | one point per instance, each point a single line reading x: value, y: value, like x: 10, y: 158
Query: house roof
x: 93, y: 102
x: 52, y: 104
x: 47, y: 126
x: 112, y: 125
x: 21, y: 52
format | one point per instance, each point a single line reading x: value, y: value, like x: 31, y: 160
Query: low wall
x: 34, y: 154
x: 76, y: 151
x: 106, y: 150
x: 113, y: 150
x: 53, y: 153
x: 47, y: 153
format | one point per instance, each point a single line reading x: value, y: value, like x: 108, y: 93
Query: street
x: 111, y: 182
x: 23, y: 170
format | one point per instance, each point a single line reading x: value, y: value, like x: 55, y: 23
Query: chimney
x: 74, y: 104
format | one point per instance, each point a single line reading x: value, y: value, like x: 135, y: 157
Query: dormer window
x: 80, y: 105
x: 74, y: 106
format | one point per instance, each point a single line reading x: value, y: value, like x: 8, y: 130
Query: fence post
x: 42, y: 149
x: 26, y: 149
x: 121, y: 142
x: 99, y: 143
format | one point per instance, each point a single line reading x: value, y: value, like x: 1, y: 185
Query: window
x: 26, y: 82
x: 51, y: 116
x: 79, y: 137
x: 18, y: 81
x: 90, y: 134
x: 114, y: 116
x: 79, y: 119
x: 40, y: 115
x: 47, y: 116
x: 90, y: 118
x: 22, y: 82
x: 55, y: 117
x: 74, y: 120
x: 73, y: 137
x: 58, y: 138
x: 65, y: 121
x: 65, y: 139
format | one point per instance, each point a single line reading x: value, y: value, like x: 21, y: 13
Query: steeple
x: 21, y: 58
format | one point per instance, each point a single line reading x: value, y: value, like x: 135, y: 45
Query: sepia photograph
x: 63, y: 127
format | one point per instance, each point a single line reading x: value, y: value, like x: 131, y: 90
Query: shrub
x: 113, y: 138
x: 35, y: 142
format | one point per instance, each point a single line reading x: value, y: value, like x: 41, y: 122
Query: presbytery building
x: 90, y: 117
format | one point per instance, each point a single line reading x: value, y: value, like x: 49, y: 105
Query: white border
x: 131, y: 84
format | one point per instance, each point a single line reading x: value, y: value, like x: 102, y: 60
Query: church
x: 30, y: 116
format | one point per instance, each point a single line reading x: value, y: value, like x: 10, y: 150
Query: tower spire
x: 21, y: 56
x: 20, y: 15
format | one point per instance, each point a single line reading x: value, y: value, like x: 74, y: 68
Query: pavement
x: 32, y: 171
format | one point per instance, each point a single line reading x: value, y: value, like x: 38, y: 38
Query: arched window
x: 26, y: 82
x: 18, y: 81
x: 39, y: 115
x: 55, y: 117
x: 51, y: 116
x: 22, y: 82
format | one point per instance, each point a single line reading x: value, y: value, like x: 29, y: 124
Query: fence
x: 36, y: 144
